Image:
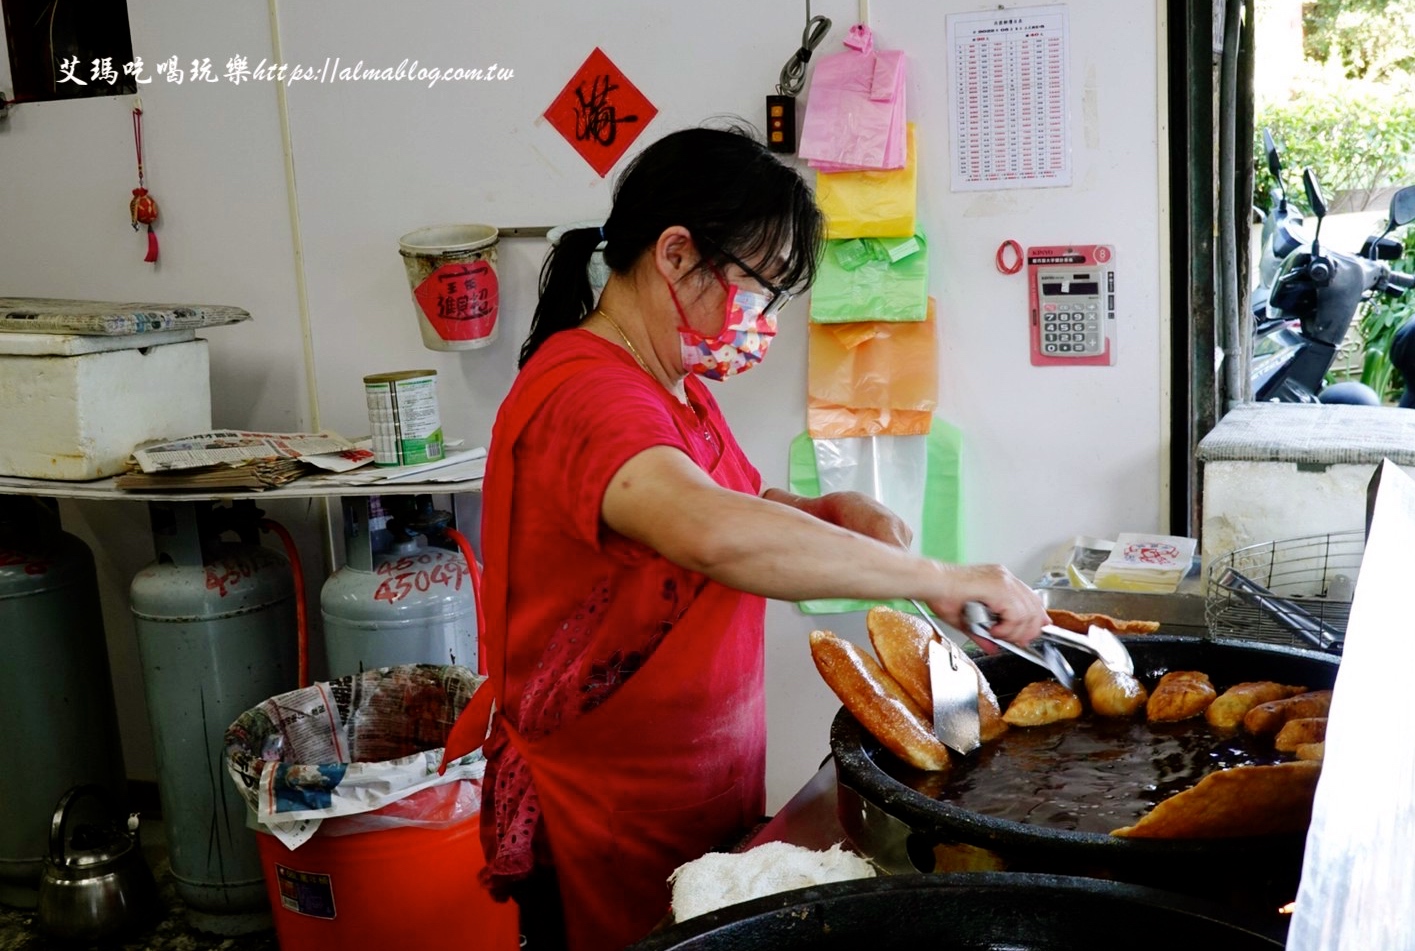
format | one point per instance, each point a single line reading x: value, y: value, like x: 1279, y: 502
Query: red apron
x: 669, y: 766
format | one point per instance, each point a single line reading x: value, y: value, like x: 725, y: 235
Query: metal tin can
x: 402, y: 410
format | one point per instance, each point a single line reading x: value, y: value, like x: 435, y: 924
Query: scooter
x: 1283, y: 232
x: 1314, y: 299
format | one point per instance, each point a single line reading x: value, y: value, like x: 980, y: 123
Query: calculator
x: 1072, y: 292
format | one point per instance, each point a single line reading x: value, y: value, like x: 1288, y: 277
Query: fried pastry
x: 1081, y: 623
x: 1112, y: 693
x: 875, y: 699
x: 1227, y: 712
x: 1179, y: 695
x: 1043, y: 702
x: 1237, y: 802
x: 1312, y: 751
x: 1299, y: 732
x: 902, y: 643
x: 1269, y: 717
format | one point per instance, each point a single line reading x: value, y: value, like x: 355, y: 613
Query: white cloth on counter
x: 719, y: 879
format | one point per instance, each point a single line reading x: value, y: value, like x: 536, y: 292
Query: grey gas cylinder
x: 397, y: 600
x: 57, y: 708
x: 216, y: 632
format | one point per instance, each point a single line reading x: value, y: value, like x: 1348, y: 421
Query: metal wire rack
x: 1315, y: 575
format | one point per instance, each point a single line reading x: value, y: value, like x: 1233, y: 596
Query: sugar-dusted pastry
x: 875, y: 699
x: 1227, y: 712
x: 1268, y: 718
x: 901, y: 642
x: 1179, y: 695
x: 1299, y: 732
x: 1112, y: 693
x: 1043, y: 702
x: 1228, y: 803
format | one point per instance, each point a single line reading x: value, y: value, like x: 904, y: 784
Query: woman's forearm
x: 777, y: 550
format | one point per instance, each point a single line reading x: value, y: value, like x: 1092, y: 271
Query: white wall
x: 1049, y: 452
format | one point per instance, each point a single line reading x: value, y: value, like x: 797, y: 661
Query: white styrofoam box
x: 79, y: 417
x: 1279, y: 471
x: 1246, y: 503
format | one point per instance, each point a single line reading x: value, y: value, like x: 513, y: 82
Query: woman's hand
x: 854, y: 511
x: 1019, y: 610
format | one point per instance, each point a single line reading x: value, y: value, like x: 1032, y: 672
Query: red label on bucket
x: 306, y: 893
x: 460, y: 300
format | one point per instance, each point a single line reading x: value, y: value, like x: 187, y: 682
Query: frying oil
x: 1092, y: 774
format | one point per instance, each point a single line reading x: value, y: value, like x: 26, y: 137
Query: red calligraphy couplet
x: 600, y: 113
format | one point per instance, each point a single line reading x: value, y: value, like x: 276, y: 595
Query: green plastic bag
x: 942, y: 534
x: 872, y: 279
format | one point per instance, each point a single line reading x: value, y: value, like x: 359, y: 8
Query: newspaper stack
x: 231, y: 458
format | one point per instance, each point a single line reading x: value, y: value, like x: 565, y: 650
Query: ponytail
x: 723, y: 186
x: 566, y: 295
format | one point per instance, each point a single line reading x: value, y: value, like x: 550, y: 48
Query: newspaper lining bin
x: 318, y: 765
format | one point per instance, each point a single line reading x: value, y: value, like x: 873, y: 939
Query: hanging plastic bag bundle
x: 872, y: 279
x: 871, y: 203
x: 920, y: 477
x: 872, y: 378
x: 855, y: 110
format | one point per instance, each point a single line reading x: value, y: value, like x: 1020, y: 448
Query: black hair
x: 723, y: 186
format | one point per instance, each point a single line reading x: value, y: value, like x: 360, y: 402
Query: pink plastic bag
x: 855, y: 109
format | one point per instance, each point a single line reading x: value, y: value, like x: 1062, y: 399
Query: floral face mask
x: 742, y: 343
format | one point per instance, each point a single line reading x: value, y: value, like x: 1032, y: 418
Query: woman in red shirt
x: 629, y: 547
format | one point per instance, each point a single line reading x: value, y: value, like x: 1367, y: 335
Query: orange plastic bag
x: 870, y: 204
x: 831, y: 421
x: 872, y: 378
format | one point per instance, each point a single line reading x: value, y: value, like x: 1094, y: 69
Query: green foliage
x: 1364, y: 39
x: 1353, y: 137
x: 1381, y: 317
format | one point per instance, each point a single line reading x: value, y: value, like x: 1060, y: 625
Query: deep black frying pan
x: 969, y: 912
x: 1257, y: 872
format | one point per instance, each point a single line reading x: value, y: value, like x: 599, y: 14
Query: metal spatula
x: 954, y: 685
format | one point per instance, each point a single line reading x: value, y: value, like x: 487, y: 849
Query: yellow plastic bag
x: 872, y: 378
x: 870, y: 204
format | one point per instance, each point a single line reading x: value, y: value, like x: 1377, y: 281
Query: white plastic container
x: 452, y: 272
x: 74, y: 407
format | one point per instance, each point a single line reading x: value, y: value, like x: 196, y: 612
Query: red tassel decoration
x: 143, y: 208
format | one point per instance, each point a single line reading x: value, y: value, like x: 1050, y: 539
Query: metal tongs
x: 1311, y: 629
x: 1044, y: 653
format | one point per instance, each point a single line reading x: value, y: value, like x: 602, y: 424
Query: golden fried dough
x: 902, y: 643
x: 1300, y: 732
x: 1179, y: 695
x: 1312, y: 751
x: 1043, y: 702
x: 1081, y: 623
x: 1114, y: 694
x: 875, y: 699
x: 1227, y: 712
x: 1269, y: 717
x: 1242, y: 801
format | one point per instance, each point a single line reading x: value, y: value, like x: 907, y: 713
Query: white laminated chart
x: 1008, y: 123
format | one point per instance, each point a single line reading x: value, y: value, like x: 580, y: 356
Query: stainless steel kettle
x: 95, y: 883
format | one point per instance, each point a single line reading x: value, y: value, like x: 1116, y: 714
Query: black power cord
x: 781, y: 108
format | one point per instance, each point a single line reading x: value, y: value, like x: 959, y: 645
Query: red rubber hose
x: 301, y: 622
x: 466, y: 547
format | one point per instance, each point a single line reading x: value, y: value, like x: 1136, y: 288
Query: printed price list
x: 1009, y: 124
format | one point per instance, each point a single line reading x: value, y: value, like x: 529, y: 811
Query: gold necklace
x: 633, y: 350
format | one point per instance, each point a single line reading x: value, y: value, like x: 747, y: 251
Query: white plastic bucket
x: 452, y: 272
